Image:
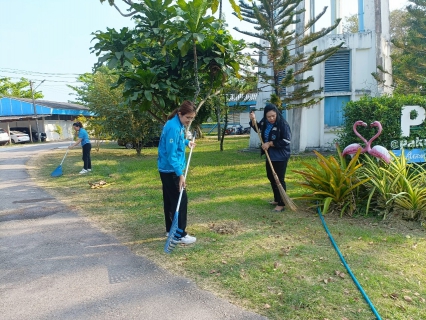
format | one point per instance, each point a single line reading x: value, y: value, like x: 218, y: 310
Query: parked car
x: 19, y: 137
x: 236, y: 129
x: 247, y: 130
x: 4, y: 137
x: 33, y: 132
x: 132, y: 144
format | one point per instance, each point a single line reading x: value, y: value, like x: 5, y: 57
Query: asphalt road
x: 55, y: 265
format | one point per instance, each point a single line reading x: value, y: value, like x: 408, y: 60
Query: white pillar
x: 335, y: 14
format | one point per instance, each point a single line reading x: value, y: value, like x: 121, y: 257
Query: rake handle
x: 64, y: 156
x: 186, y: 172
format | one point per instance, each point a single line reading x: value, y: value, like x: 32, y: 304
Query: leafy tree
x: 114, y: 118
x: 213, y: 5
x: 409, y: 64
x: 171, y: 45
x: 398, y: 24
x: 20, y: 89
x: 350, y: 24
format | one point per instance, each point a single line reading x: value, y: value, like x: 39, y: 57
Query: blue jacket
x: 280, y: 135
x: 171, y: 149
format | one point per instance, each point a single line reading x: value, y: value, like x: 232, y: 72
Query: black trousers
x: 171, y: 193
x: 86, y: 156
x: 280, y: 168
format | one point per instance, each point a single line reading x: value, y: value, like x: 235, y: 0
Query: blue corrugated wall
x: 12, y: 107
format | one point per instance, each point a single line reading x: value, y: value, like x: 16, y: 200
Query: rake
x: 288, y: 202
x: 58, y: 171
x: 175, y: 232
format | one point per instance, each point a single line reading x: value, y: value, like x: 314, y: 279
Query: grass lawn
x: 281, y: 265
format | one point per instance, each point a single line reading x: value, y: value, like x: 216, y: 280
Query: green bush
x: 385, y: 109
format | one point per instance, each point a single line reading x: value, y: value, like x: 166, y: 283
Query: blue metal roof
x: 24, y: 107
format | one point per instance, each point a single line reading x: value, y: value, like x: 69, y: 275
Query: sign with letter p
x: 406, y: 119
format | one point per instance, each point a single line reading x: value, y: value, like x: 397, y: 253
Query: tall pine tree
x: 283, y: 43
x: 409, y: 62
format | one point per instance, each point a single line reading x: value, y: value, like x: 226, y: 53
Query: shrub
x: 332, y: 184
x: 395, y: 186
x: 385, y: 109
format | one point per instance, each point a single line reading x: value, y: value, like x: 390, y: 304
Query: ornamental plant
x: 333, y: 184
x: 411, y: 182
x: 381, y: 187
x: 397, y: 186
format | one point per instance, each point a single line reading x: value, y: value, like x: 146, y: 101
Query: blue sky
x: 50, y: 39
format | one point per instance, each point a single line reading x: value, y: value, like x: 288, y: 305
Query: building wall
x: 47, y: 126
x: 67, y: 130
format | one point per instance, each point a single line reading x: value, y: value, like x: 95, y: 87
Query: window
x: 337, y: 72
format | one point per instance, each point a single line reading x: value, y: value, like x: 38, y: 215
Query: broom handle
x: 266, y: 151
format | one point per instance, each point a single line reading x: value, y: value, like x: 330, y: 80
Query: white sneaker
x: 89, y: 170
x: 83, y: 171
x: 187, y: 239
x: 167, y: 234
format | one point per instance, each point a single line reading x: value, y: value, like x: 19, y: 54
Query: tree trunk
x: 296, y: 123
x: 224, y: 126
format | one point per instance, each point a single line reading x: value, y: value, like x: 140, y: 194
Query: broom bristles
x: 284, y: 196
x: 287, y: 200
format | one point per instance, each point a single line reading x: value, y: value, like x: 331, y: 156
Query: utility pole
x: 35, y: 109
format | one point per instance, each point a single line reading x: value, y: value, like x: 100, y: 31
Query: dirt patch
x: 231, y: 227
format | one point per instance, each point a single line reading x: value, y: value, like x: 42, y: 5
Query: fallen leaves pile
x: 98, y: 184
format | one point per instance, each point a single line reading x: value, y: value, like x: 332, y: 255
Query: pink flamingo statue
x: 377, y: 151
x: 354, y: 147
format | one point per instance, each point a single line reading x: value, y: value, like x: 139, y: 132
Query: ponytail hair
x: 186, y: 107
x: 77, y: 124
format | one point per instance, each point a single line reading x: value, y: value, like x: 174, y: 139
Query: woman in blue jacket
x: 171, y: 165
x: 276, y: 136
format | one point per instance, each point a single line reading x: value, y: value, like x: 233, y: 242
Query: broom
x: 175, y: 232
x: 288, y: 202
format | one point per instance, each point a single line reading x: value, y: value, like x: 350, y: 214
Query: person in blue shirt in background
x: 171, y: 166
x: 83, y: 138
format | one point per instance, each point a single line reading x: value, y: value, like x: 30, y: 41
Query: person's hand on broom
x: 267, y: 145
x: 252, y: 116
